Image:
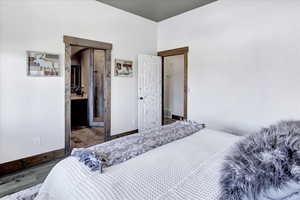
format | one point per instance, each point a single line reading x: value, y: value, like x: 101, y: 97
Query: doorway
x: 174, y: 84
x: 87, y: 93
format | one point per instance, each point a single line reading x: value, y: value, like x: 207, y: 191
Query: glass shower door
x: 96, y: 88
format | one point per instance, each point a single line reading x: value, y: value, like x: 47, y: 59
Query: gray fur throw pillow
x: 265, y: 161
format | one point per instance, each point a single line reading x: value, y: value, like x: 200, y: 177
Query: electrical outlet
x: 36, y: 141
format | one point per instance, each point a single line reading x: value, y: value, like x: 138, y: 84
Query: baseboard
x: 123, y: 134
x: 24, y: 163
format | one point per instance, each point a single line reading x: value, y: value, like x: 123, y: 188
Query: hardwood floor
x: 26, y: 178
x: 86, y: 136
x: 169, y: 121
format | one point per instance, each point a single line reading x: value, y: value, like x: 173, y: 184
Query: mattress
x: 185, y: 169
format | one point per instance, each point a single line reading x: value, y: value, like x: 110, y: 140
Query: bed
x: 188, y: 168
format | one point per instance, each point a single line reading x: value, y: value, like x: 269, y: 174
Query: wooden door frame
x: 107, y: 47
x: 174, y: 52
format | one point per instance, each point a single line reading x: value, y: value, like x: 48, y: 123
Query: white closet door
x: 149, y: 91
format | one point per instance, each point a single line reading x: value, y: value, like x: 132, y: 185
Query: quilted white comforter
x: 185, y: 169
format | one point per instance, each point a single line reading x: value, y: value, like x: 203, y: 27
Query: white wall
x: 174, y: 85
x: 33, y: 108
x: 243, y: 64
x: 1, y: 76
x: 244, y: 61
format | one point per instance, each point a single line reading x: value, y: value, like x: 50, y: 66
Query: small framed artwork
x: 42, y: 64
x: 123, y: 68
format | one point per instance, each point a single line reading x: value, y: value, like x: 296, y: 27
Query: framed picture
x: 123, y: 68
x: 42, y: 64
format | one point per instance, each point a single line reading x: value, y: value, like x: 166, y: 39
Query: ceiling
x: 157, y: 10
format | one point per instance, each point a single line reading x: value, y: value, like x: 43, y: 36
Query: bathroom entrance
x: 87, y: 96
x: 87, y: 92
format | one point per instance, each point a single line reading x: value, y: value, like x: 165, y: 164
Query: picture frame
x: 42, y: 64
x: 123, y: 68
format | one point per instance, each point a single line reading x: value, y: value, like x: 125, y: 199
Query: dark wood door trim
x: 185, y: 84
x: 67, y: 98
x: 73, y: 41
x: 174, y: 52
x: 107, y: 95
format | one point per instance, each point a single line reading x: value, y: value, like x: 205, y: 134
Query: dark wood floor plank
x: 26, y: 178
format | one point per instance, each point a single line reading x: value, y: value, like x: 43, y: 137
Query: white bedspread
x: 184, y: 169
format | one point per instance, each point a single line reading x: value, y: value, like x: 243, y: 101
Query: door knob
x: 141, y: 98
